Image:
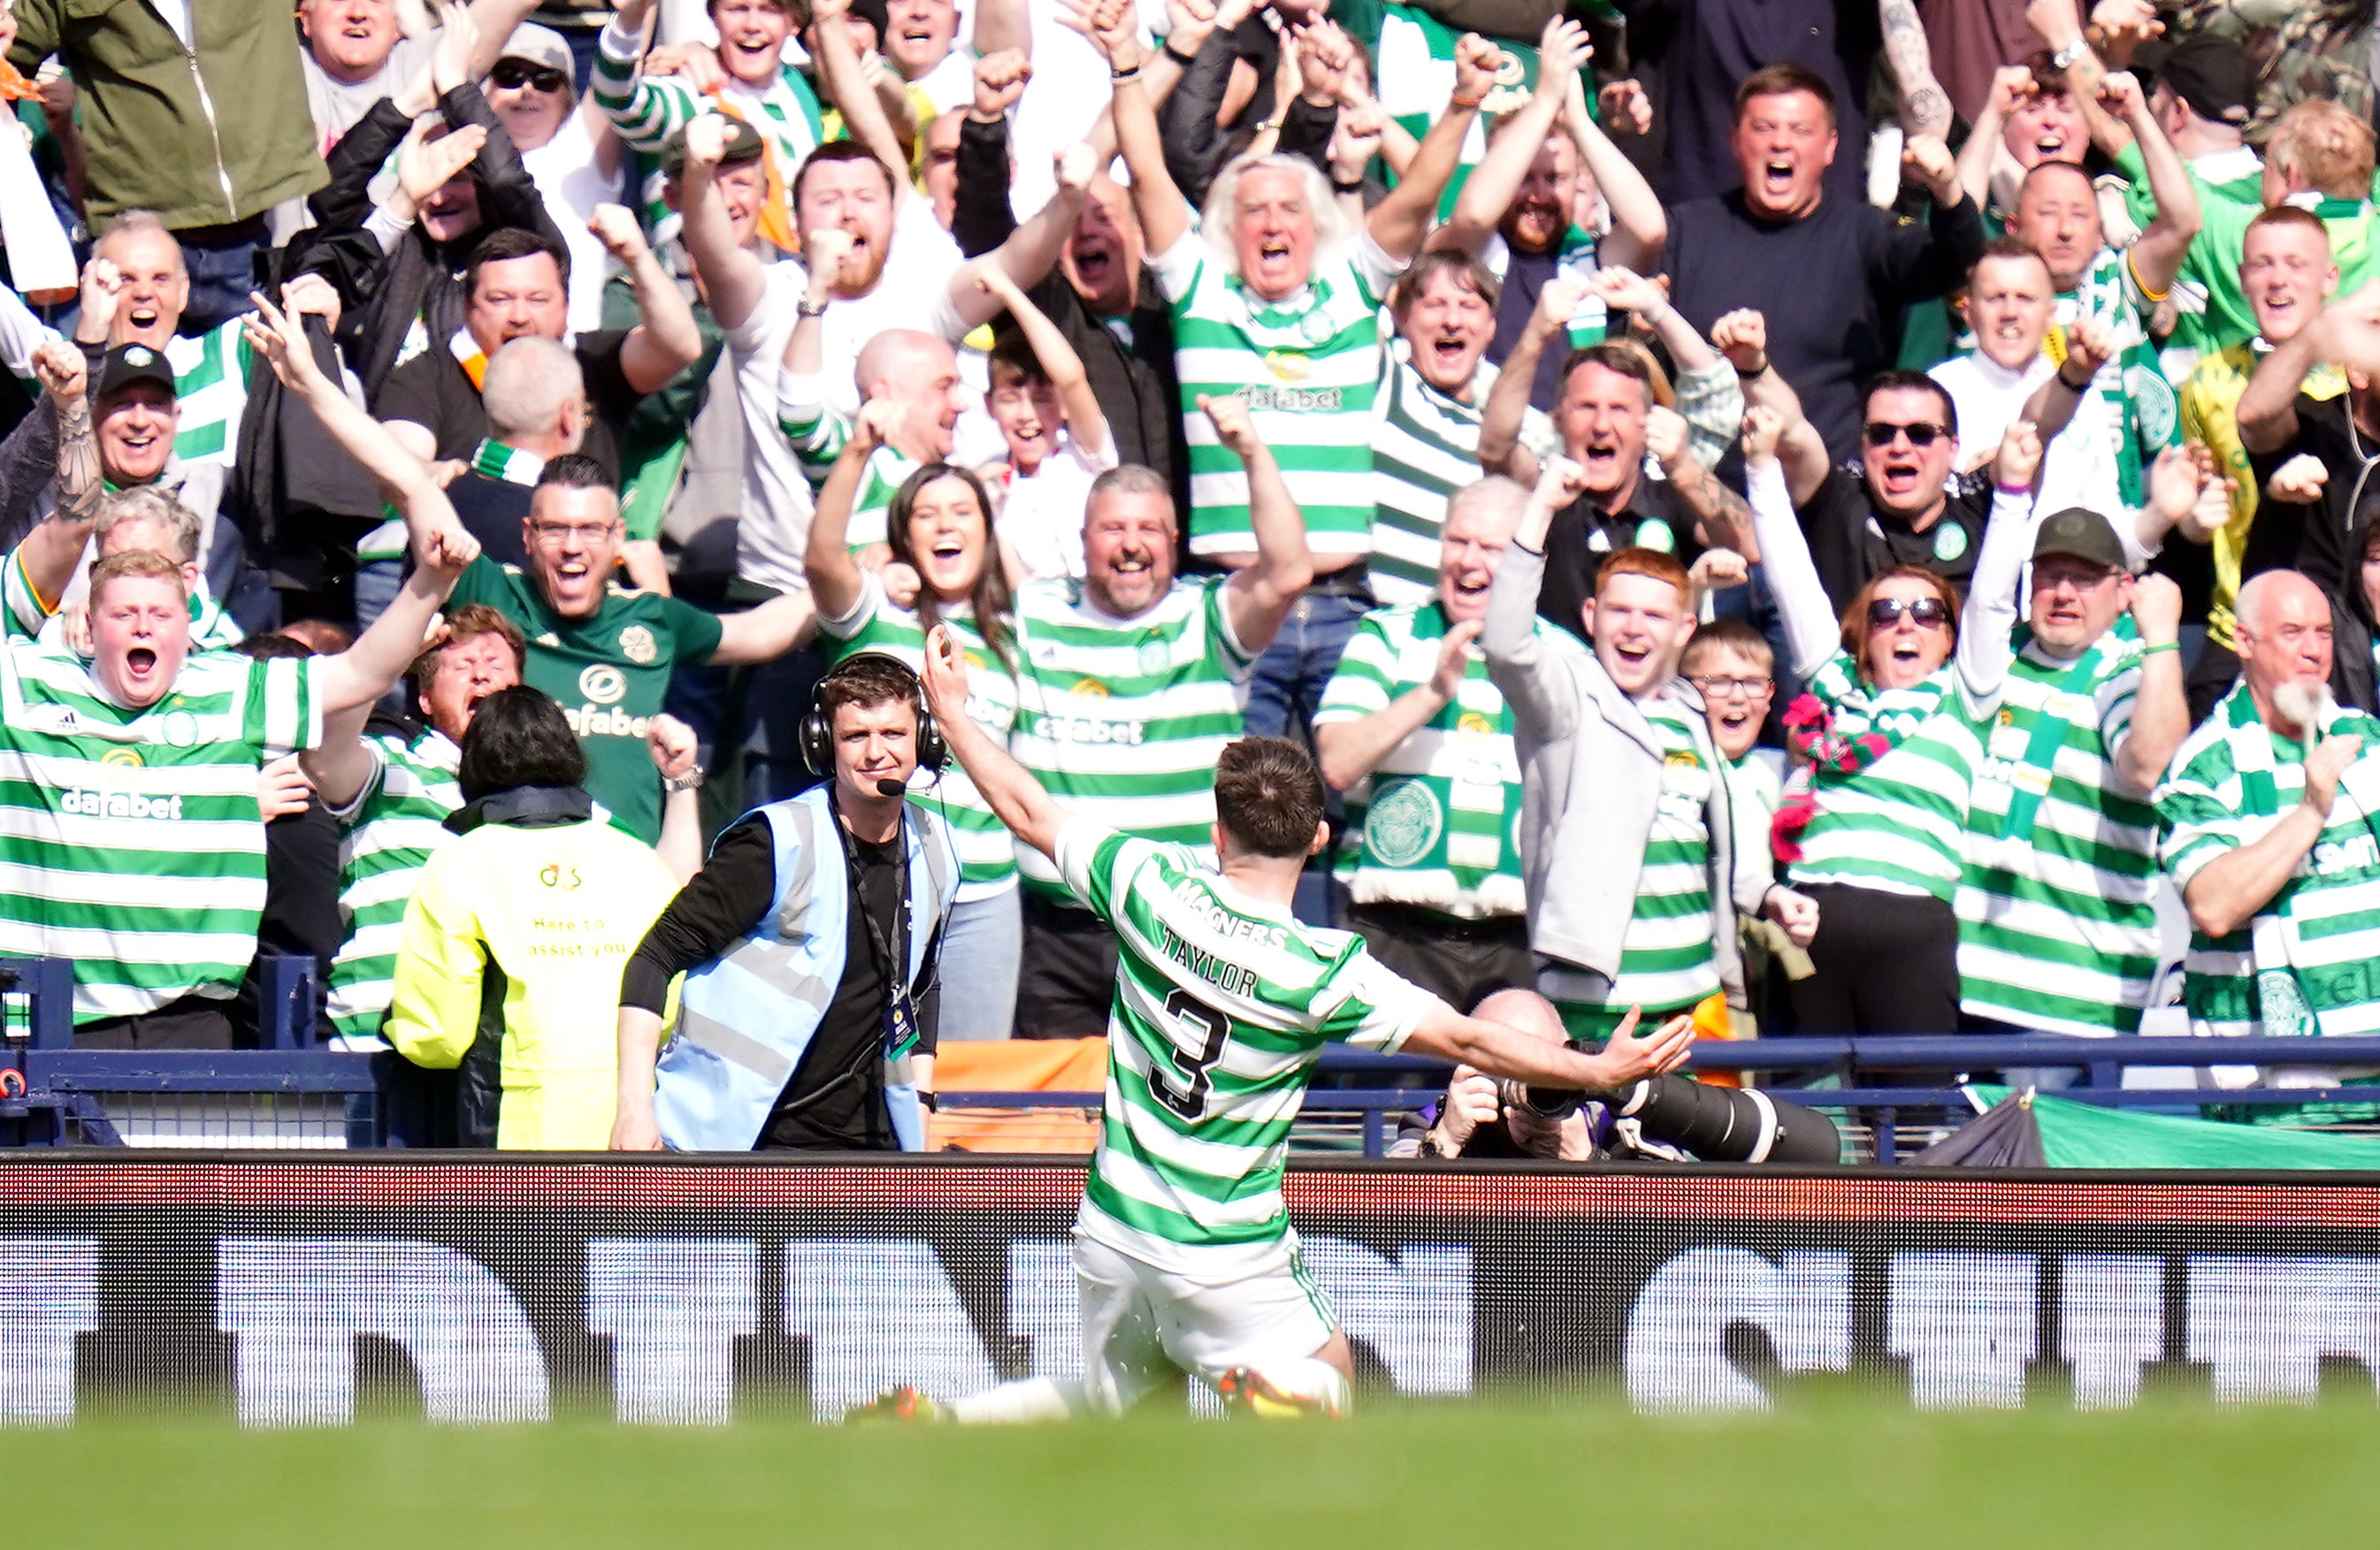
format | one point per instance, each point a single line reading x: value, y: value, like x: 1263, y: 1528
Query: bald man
x: 536, y: 398
x: 2268, y: 816
x: 1483, y: 1117
x: 914, y: 372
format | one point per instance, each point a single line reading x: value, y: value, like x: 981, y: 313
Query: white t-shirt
x: 337, y: 105
x: 1041, y: 514
x: 951, y: 84
x: 573, y: 183
x: 2078, y: 467
x: 913, y: 292
x: 1987, y: 396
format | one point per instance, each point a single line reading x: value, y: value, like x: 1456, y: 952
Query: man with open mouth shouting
x: 148, y: 750
x: 1828, y: 272
x: 1274, y: 298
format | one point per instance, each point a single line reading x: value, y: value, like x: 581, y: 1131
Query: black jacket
x: 384, y: 292
x: 1135, y: 382
x: 2352, y: 634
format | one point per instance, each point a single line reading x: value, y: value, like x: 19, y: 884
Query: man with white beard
x: 2268, y: 811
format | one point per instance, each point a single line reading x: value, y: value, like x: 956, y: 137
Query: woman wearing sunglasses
x: 1889, y: 735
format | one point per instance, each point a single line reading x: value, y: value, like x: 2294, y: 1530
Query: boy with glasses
x: 1733, y: 666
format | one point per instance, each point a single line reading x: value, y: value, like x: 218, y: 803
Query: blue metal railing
x: 52, y: 1093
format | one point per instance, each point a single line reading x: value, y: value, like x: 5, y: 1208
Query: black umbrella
x: 2005, y: 1135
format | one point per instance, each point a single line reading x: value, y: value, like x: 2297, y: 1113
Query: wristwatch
x: 690, y: 780
x: 805, y: 308
x: 2065, y: 57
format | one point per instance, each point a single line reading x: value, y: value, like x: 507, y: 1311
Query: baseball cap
x: 127, y: 364
x: 540, y: 46
x: 2084, y: 534
x: 2211, y: 74
x: 743, y: 145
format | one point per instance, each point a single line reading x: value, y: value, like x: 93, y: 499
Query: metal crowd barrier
x: 293, y: 1092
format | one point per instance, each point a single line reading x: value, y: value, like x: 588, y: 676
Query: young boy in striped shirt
x: 1182, y: 1247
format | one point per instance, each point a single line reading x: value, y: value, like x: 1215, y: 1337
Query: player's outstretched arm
x: 1030, y: 813
x: 1501, y: 1050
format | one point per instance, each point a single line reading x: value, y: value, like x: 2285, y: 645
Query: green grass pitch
x: 1830, y: 1471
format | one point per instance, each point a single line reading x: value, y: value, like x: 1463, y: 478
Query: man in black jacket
x: 452, y: 191
x: 1830, y: 273
x: 1112, y: 315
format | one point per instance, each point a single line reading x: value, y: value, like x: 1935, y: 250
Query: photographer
x: 1671, y: 1117
x: 1482, y: 1115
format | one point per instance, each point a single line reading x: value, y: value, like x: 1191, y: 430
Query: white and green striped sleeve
x: 285, y: 704
x: 1376, y: 1008
x: 1366, y: 679
x: 1223, y: 641
x: 1092, y: 858
x: 863, y: 608
x: 643, y: 109
x: 2198, y: 807
x: 2113, y: 696
x: 816, y: 431
x: 25, y: 608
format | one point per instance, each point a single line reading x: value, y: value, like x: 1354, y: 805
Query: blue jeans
x: 221, y: 274
x: 981, y: 947
x: 377, y: 584
x: 1286, y: 687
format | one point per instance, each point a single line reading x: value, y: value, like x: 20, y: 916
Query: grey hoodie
x: 1590, y: 781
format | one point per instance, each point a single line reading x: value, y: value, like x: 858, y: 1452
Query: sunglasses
x: 512, y: 75
x: 1925, y: 612
x: 1923, y: 433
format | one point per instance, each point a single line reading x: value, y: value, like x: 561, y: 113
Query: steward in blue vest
x: 809, y: 943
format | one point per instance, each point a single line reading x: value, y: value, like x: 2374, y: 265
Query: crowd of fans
x: 1776, y: 505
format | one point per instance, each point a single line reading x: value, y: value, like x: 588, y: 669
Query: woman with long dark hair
x: 1889, y: 735
x: 944, y: 569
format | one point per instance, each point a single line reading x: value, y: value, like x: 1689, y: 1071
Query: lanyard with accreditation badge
x: 900, y: 1019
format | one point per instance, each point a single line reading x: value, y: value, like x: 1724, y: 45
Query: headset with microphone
x: 815, y: 732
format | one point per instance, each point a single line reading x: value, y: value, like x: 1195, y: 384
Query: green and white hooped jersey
x: 1426, y: 447
x: 1435, y: 823
x: 2058, y: 927
x: 390, y: 827
x: 1308, y: 369
x: 1124, y: 720
x: 1222, y: 1004
x: 132, y: 842
x: 1668, y: 959
x: 210, y: 393
x: 2331, y: 903
x: 986, y: 850
x: 1900, y: 825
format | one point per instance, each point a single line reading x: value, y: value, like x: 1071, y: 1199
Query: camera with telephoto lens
x: 1725, y: 1124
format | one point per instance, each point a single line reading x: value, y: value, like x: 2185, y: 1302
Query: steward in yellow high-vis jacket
x: 516, y: 934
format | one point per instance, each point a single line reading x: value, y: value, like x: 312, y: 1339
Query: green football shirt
x: 608, y: 671
x: 1222, y: 1004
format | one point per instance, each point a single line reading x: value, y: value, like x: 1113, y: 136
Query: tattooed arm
x: 1925, y: 106
x: 48, y: 553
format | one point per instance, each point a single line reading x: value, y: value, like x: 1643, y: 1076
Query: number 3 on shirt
x: 1212, y: 1030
